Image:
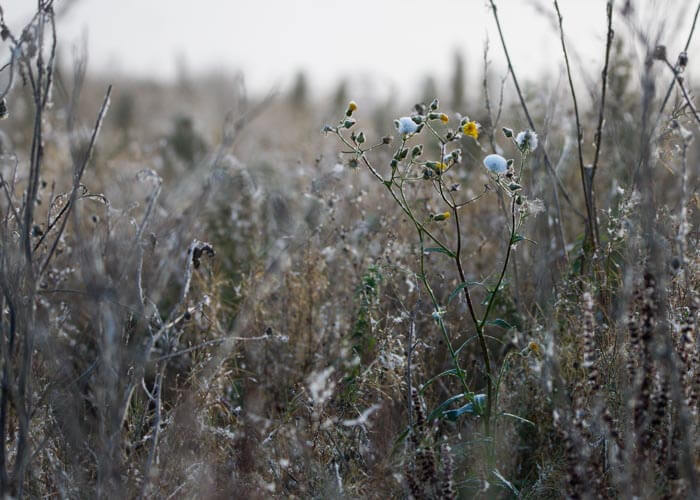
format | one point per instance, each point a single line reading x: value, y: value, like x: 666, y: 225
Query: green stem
x: 505, y: 265
x: 479, y: 327
x: 436, y: 305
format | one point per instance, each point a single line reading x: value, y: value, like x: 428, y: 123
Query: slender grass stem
x: 586, y: 178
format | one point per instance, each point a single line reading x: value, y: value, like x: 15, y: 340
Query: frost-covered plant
x: 438, y: 178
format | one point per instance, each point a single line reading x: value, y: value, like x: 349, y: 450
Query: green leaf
x: 439, y: 250
x: 499, y: 322
x: 516, y: 417
x: 475, y: 407
x: 460, y: 287
x: 451, y: 371
x: 479, y: 402
x: 437, y: 412
x: 453, y: 414
x: 506, y: 483
x: 519, y: 237
x: 474, y: 337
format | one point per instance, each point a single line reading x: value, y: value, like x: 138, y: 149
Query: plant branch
x: 548, y: 164
x: 685, y: 49
x: 586, y: 179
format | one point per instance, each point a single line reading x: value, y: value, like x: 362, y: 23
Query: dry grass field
x: 210, y: 294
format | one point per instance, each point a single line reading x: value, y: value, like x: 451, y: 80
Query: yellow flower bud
x: 441, y: 217
x: 435, y: 166
x: 535, y: 348
x: 352, y: 107
x: 444, y: 118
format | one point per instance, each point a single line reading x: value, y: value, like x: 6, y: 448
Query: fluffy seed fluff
x: 405, y: 125
x: 496, y: 164
x: 526, y: 140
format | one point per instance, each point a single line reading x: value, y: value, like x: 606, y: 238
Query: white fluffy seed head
x: 496, y: 164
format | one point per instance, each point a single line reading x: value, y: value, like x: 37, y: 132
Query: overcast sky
x: 388, y: 42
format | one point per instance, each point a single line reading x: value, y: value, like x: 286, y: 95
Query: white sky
x: 387, y: 42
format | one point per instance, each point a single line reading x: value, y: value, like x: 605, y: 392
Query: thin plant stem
x: 603, y: 91
x: 685, y: 49
x: 688, y: 100
x: 586, y: 179
x: 548, y: 164
x: 479, y: 326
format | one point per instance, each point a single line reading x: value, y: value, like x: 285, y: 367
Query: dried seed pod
x: 199, y: 250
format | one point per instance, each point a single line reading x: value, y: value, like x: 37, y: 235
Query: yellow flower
x: 352, y: 107
x: 442, y: 216
x: 444, y: 118
x: 472, y: 129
